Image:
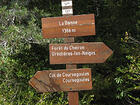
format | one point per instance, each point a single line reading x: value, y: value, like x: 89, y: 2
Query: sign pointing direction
x: 62, y: 80
x: 79, y: 53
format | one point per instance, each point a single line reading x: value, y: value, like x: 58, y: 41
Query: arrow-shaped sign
x: 62, y: 80
x: 79, y: 53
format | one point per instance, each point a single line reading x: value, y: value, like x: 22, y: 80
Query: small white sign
x: 67, y: 11
x: 66, y: 3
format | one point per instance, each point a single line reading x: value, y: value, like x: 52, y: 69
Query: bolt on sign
x: 59, y: 27
x: 62, y: 80
x: 79, y: 53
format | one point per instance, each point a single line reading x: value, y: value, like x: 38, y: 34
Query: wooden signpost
x: 62, y: 80
x: 58, y: 27
x: 71, y: 79
x: 79, y: 53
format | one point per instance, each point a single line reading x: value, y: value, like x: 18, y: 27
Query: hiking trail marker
x: 62, y: 80
x: 79, y: 53
x: 67, y: 26
x: 70, y: 53
x: 67, y: 7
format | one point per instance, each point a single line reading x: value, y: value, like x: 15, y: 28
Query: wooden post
x: 67, y: 10
x: 73, y: 97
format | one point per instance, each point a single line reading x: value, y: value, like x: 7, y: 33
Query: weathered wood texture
x: 66, y: 26
x: 73, y: 98
x: 62, y: 80
x: 79, y: 53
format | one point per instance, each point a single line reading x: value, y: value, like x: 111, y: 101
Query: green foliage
x: 86, y: 99
x: 24, y: 51
x: 127, y: 81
